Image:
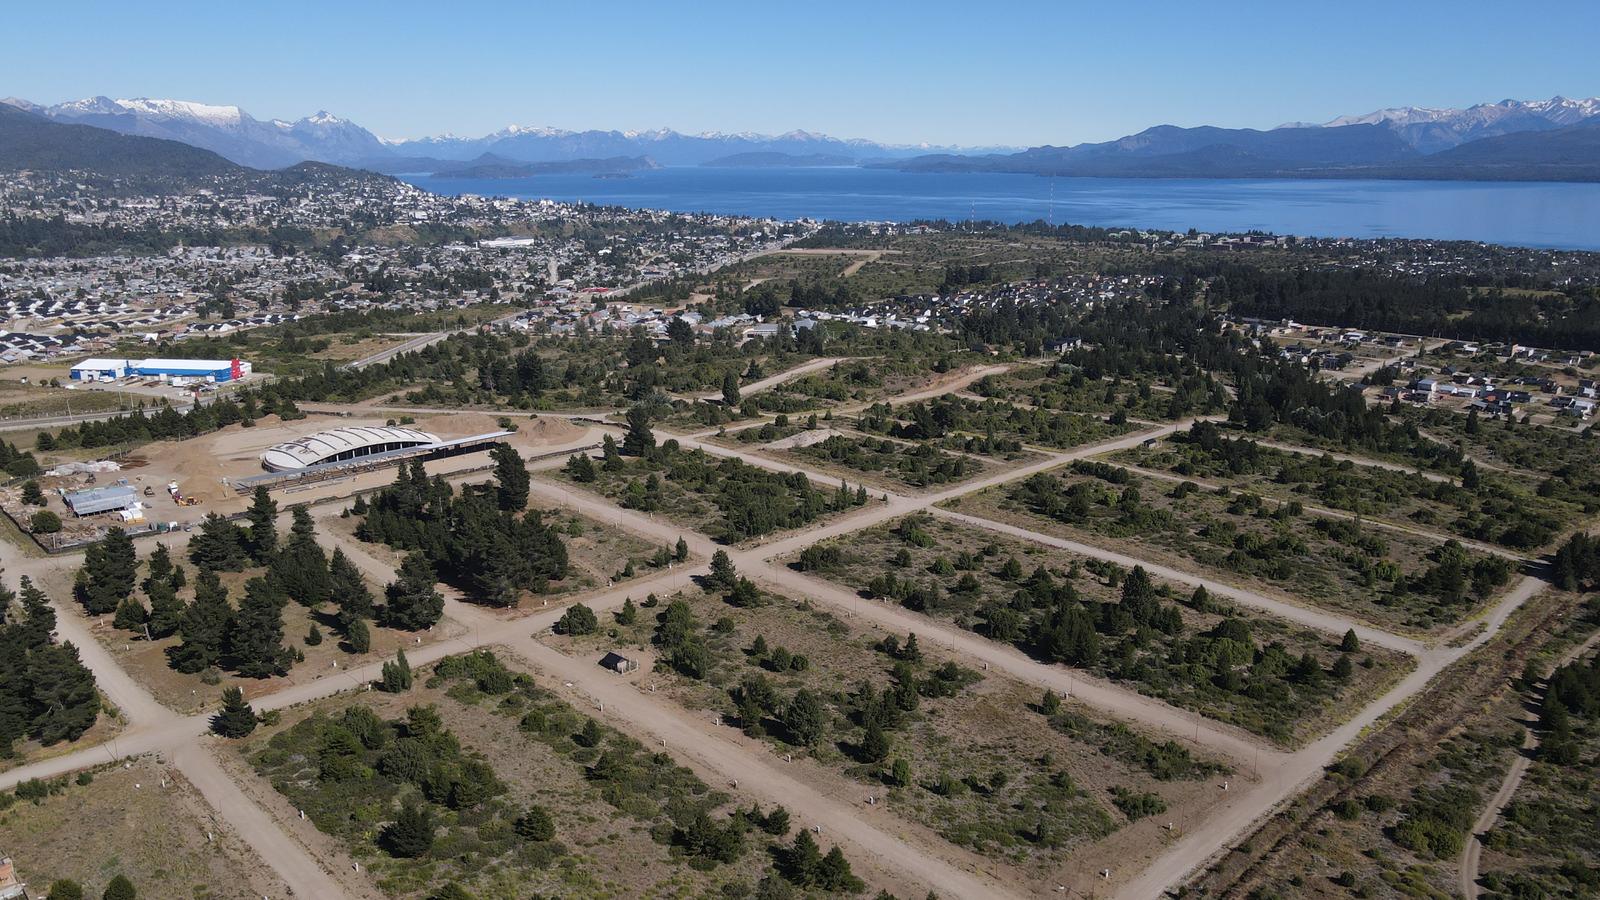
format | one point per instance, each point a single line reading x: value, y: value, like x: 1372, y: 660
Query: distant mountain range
x: 235, y: 134
x: 1556, y: 139
x: 29, y: 141
x: 1430, y: 130
x: 225, y: 130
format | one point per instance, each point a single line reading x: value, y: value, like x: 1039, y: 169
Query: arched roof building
x: 340, y: 444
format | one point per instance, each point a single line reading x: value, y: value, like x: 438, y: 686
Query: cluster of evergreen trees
x: 1577, y: 564
x: 918, y: 464
x: 479, y: 540
x: 938, y: 417
x: 16, y: 462
x: 1573, y: 693
x: 45, y: 692
x: 246, y: 637
x: 1441, y: 306
x: 753, y: 501
x: 1139, y: 637
x: 139, y: 426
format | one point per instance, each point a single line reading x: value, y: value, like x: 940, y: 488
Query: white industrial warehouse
x: 176, y: 370
x: 342, y: 444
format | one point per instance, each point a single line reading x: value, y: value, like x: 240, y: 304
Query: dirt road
x: 751, y: 765
x: 771, y: 381
x: 1472, y: 853
x: 1360, y: 461
x: 292, y: 862
x: 1279, y: 775
x: 1195, y: 849
x: 154, y: 728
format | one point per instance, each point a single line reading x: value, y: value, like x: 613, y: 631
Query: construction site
x: 172, y: 485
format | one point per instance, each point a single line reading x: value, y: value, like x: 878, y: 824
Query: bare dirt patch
x: 143, y: 821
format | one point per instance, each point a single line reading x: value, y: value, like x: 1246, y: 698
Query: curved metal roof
x: 335, y: 443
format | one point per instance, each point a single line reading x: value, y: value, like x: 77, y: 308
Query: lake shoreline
x: 1546, y: 215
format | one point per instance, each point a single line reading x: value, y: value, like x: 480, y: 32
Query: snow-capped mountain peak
x: 518, y: 131
x: 1557, y: 109
x: 1396, y: 115
x: 183, y: 109
x: 1431, y: 129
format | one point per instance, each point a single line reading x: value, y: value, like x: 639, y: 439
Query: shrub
x: 578, y: 619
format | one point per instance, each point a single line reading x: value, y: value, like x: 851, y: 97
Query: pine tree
x: 410, y: 835
x: 745, y: 594
x: 348, y: 590
x: 802, y: 860
x: 161, y: 569
x: 1351, y: 643
x: 120, y: 888
x: 680, y: 551
x: 300, y: 571
x: 38, y: 616
x: 204, y: 627
x: 611, y: 458
x: 750, y: 714
x: 218, y: 545
x: 730, y: 389
x: 805, y: 718
x: 411, y: 602
x: 237, y: 718
x: 108, y: 572
x: 131, y: 616
x: 1139, y: 596
x: 359, y: 636
x: 590, y: 735
x: 911, y: 652
x: 629, y: 613
x: 833, y: 873
x: 723, y: 574
x: 535, y: 825
x: 397, y: 674
x: 166, y: 610
x: 62, y: 693
x: 511, y: 478
x: 255, y: 642
x: 874, y: 743
x: 580, y: 468
x: 263, y: 517
x: 1342, y: 667
x: 638, y: 440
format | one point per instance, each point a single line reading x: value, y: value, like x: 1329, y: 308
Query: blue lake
x: 1537, y: 214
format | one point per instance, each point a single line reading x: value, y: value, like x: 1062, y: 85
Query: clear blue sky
x: 1019, y: 73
